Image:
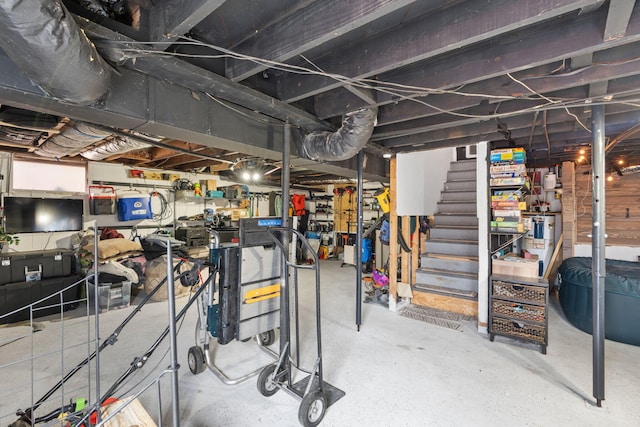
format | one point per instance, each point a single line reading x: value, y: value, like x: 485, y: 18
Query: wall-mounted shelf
x: 218, y: 201
x: 505, y: 240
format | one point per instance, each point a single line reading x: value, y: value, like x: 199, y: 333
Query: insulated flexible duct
x: 42, y: 38
x: 72, y: 140
x: 119, y: 145
x: 344, y: 143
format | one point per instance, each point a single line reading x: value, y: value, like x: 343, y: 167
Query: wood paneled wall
x: 622, y: 207
x: 569, y: 229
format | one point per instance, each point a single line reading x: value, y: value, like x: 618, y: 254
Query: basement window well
x: 44, y: 176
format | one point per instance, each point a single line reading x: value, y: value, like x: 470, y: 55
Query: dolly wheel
x: 267, y: 338
x: 267, y: 381
x: 312, y: 409
x: 195, y: 359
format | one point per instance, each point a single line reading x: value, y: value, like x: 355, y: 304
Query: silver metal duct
x: 344, y: 143
x: 43, y: 39
x: 119, y: 145
x: 72, y: 140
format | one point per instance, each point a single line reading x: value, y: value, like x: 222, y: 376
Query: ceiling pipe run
x: 43, y: 39
x: 344, y: 143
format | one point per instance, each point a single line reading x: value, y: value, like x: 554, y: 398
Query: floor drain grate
x: 435, y: 317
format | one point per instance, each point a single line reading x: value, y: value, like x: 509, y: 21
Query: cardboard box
x: 496, y: 182
x: 508, y: 155
x: 513, y: 265
x: 209, y: 185
x: 349, y: 254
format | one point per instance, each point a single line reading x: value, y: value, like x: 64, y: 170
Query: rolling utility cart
x: 315, y: 394
x: 248, y: 304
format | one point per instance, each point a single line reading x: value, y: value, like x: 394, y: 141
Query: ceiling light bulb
x: 387, y: 155
x: 246, y: 176
x: 582, y: 151
x: 610, y: 178
x: 256, y: 176
x: 621, y: 162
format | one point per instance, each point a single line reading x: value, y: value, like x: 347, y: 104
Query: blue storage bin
x: 367, y: 253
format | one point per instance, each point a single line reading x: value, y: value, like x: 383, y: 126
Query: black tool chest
x: 35, y: 265
x: 29, y: 277
x: 15, y: 296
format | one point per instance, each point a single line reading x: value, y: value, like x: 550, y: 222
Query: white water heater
x: 549, y: 182
x: 541, y: 238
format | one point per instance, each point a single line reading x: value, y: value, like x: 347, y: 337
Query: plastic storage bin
x: 35, y: 265
x: 111, y: 295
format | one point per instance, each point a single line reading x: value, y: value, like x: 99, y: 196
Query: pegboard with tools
x: 345, y: 202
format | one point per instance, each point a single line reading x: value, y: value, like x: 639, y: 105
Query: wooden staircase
x: 448, y: 276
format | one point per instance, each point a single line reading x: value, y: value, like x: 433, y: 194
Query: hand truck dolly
x: 315, y: 394
x: 248, y: 304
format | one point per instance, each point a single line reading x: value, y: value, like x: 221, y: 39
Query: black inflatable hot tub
x: 622, y: 297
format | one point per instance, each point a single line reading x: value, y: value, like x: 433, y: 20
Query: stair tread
x: 422, y: 287
x: 454, y: 227
x: 457, y: 201
x: 459, y: 274
x: 465, y: 241
x: 456, y: 214
x: 451, y: 257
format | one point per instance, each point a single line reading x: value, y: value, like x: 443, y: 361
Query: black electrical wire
x: 164, y: 206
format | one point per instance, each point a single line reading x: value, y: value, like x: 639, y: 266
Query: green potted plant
x: 7, y: 238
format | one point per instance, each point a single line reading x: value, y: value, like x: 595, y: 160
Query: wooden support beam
x: 393, y: 236
x: 555, y: 260
x: 404, y: 271
x: 415, y: 251
x: 446, y: 303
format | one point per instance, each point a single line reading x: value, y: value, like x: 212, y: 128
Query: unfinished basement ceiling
x: 202, y: 84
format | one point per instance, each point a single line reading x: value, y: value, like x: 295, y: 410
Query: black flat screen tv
x: 37, y: 215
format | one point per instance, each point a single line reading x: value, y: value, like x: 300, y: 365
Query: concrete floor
x: 395, y: 372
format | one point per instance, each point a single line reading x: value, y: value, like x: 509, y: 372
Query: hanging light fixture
x: 250, y: 169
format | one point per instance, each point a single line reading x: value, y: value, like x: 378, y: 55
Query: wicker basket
x: 522, y: 330
x: 519, y: 311
x: 520, y: 292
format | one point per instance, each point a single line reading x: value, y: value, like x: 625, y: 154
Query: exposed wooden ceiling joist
x: 170, y: 19
x: 308, y: 27
x: 442, y: 73
x: 421, y: 39
x: 529, y: 48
